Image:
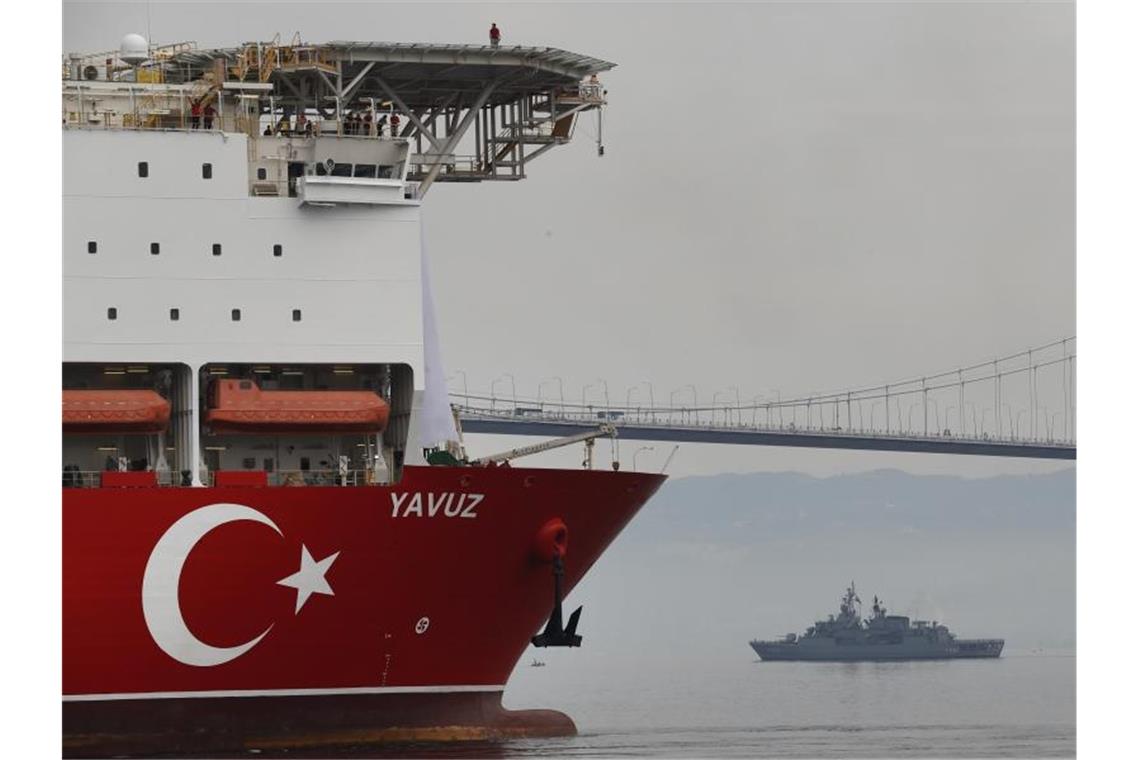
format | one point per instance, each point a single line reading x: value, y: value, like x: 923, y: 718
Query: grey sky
x: 798, y: 197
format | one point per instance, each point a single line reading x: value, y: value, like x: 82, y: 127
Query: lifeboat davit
x: 240, y: 406
x: 115, y: 411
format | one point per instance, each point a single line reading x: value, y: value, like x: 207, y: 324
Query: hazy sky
x: 795, y: 196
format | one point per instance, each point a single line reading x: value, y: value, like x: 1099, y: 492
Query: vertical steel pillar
x: 925, y: 415
x: 997, y: 399
x: 961, y: 405
x: 1032, y: 398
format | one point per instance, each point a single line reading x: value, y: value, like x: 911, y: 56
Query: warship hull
x: 830, y: 652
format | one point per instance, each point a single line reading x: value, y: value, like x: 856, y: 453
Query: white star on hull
x: 310, y: 579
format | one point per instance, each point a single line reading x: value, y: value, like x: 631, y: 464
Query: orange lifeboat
x: 240, y: 406
x: 115, y: 411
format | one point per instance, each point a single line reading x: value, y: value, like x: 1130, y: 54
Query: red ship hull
x: 188, y: 627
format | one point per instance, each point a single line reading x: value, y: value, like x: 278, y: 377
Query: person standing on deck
x: 494, y: 34
x: 394, y: 125
x: 208, y: 116
x: 195, y: 113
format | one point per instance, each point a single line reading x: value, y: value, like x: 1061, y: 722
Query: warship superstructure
x: 848, y: 637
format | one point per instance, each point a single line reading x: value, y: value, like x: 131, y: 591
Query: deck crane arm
x: 604, y: 429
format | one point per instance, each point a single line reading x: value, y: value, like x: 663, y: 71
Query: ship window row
x: 215, y: 248
x: 207, y: 170
x: 175, y: 314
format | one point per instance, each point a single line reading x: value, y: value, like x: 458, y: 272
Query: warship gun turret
x: 849, y: 637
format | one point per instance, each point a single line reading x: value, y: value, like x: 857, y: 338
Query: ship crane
x: 605, y: 429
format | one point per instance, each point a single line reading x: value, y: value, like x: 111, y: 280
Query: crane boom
x: 602, y: 430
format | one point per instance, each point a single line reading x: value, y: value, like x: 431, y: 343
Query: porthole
x: 235, y: 315
x: 261, y: 172
x: 144, y: 169
x: 92, y: 246
x: 112, y: 313
x: 296, y: 315
x: 207, y: 171
x: 154, y: 249
x: 174, y: 314
x: 217, y: 249
x: 277, y: 249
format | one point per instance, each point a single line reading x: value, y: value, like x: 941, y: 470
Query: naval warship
x: 848, y: 637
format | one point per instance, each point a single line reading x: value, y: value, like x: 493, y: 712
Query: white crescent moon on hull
x: 161, y: 608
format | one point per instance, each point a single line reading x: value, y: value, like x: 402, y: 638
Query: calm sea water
x: 1022, y: 705
x: 729, y: 704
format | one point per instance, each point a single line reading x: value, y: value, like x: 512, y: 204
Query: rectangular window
x: 154, y: 249
x: 342, y: 170
x: 364, y: 170
x: 174, y: 314
x: 217, y: 249
x: 296, y: 315
x: 112, y: 313
x: 261, y: 172
x: 277, y: 249
x: 304, y: 464
x: 144, y: 169
x: 92, y: 246
x: 235, y: 315
x: 207, y: 171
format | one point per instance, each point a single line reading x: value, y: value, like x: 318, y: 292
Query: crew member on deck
x: 368, y: 123
x: 494, y: 34
x: 303, y: 126
x: 395, y: 125
x: 380, y: 122
x: 208, y: 116
x: 195, y: 113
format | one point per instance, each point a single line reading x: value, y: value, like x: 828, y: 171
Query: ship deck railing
x: 94, y: 478
x: 282, y: 478
x: 345, y: 478
x: 156, y: 120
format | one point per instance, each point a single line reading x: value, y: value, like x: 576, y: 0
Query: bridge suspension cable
x: 1002, y: 392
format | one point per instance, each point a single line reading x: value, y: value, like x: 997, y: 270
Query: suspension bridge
x: 1019, y: 405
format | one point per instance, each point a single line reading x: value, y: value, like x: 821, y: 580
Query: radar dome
x: 134, y: 49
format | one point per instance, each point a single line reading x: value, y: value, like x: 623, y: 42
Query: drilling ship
x: 273, y: 537
x: 847, y: 637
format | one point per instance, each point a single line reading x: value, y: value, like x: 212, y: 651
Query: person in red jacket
x: 494, y: 35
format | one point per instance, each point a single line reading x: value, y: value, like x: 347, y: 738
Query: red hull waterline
x: 219, y: 620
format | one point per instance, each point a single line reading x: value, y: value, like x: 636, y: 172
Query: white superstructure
x: 226, y: 216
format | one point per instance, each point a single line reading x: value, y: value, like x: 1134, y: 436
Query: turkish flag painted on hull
x: 434, y: 582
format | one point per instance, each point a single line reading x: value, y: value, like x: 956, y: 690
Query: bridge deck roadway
x: 761, y: 437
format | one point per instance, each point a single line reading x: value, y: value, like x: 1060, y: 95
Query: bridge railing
x: 711, y: 418
x: 1027, y: 397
